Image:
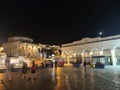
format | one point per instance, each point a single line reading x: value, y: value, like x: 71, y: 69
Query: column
x: 82, y: 55
x: 113, y: 57
x: 74, y: 58
x: 68, y: 59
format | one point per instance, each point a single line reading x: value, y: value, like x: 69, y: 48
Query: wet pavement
x: 64, y: 78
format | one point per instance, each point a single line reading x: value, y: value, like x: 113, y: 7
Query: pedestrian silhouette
x: 8, y: 69
x: 85, y: 65
x: 24, y: 70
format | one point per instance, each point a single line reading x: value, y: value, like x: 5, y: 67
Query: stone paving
x: 94, y: 79
x: 65, y: 78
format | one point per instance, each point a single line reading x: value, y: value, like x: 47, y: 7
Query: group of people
x: 24, y: 70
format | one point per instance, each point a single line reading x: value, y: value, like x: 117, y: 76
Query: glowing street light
x: 100, y: 34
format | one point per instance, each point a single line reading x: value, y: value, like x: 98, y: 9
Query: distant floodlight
x: 100, y: 33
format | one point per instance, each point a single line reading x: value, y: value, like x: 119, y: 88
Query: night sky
x: 59, y: 21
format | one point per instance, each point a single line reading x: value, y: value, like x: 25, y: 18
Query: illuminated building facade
x: 24, y: 46
x: 22, y: 49
x: 21, y: 46
x: 85, y: 49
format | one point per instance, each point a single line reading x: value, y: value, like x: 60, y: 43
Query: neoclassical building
x: 87, y: 48
x: 22, y: 49
x: 21, y: 46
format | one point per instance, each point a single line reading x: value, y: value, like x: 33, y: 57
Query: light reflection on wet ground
x: 65, y: 78
x: 2, y: 87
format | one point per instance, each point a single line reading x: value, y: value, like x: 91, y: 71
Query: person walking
x: 24, y: 70
x: 85, y: 65
x: 7, y: 69
x: 33, y: 70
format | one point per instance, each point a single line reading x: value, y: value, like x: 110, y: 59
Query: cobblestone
x: 65, y: 78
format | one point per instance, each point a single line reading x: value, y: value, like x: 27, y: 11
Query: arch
x: 87, y: 56
x: 95, y: 51
x: 65, y: 53
x: 86, y: 53
x: 108, y: 55
x: 115, y: 46
x: 77, y: 52
x: 83, y: 50
x: 105, y: 47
